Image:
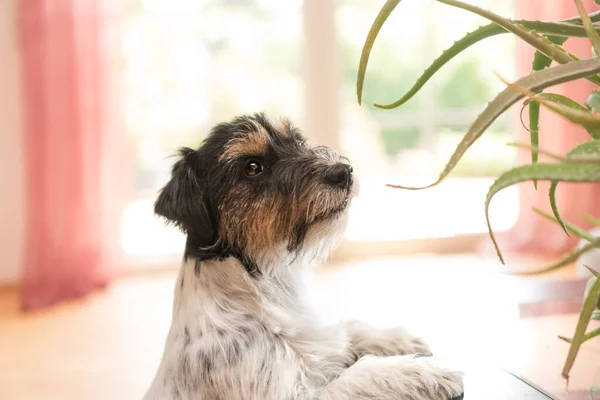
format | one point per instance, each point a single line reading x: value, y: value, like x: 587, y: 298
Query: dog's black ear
x: 182, y: 202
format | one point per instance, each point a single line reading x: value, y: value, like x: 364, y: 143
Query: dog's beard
x: 326, y: 231
x: 319, y: 242
x: 329, y: 204
x: 337, y: 208
x: 323, y: 237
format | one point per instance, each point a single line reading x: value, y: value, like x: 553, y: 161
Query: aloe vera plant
x: 581, y: 164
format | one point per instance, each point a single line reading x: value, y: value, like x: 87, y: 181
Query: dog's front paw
x: 439, y: 382
x: 414, y: 345
x: 386, y: 342
x: 397, y: 377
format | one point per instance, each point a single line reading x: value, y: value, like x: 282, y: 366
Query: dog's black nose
x: 340, y: 175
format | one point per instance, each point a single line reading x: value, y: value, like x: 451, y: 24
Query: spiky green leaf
x: 534, y: 133
x: 540, y: 61
x: 383, y: 15
x: 569, y: 109
x: 560, y: 99
x: 589, y: 285
x: 589, y: 27
x: 593, y: 271
x: 570, y: 227
x: 573, y: 111
x: 460, y: 45
x: 534, y: 82
x: 541, y: 151
x: 554, y: 206
x: 586, y: 337
x: 584, y: 149
x: 564, y: 171
x: 589, y: 148
x: 589, y: 306
x: 558, y: 33
x: 541, y: 43
x: 591, y: 220
x: 572, y: 256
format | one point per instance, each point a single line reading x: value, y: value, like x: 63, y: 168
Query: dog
x: 260, y: 206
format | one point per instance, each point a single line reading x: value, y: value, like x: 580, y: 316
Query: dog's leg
x: 366, y: 340
x: 394, y: 378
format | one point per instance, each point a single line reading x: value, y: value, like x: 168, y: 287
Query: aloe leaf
x: 581, y: 115
x: 540, y: 61
x: 564, y: 106
x: 554, y: 206
x: 589, y: 305
x: 584, y: 149
x: 594, y: 131
x: 559, y: 32
x: 541, y: 151
x: 586, y: 159
x: 570, y: 27
x: 534, y: 131
x: 572, y: 256
x: 545, y: 46
x: 572, y: 228
x: 460, y: 45
x: 593, y: 271
x: 564, y: 171
x: 560, y: 99
x: 383, y: 15
x: 589, y: 285
x: 565, y: 28
x: 595, y: 17
x: 591, y: 147
x: 589, y: 27
x: 534, y: 82
x: 591, y: 220
x: 593, y: 101
x: 586, y: 337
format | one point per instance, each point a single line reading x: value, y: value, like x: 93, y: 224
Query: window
x: 190, y: 64
x: 410, y: 145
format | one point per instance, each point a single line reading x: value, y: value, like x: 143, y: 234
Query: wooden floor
x: 109, y: 346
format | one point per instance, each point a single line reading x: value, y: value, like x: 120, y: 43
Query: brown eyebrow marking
x: 255, y: 142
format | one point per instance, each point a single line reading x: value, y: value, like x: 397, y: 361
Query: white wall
x: 11, y: 186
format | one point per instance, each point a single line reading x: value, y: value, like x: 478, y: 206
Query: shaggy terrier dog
x: 260, y: 206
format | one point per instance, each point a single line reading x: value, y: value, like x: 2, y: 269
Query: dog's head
x: 256, y: 187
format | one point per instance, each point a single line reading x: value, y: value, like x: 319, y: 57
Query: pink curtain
x: 70, y: 228
x: 532, y: 233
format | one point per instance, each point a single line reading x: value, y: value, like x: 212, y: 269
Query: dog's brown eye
x: 253, y: 168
